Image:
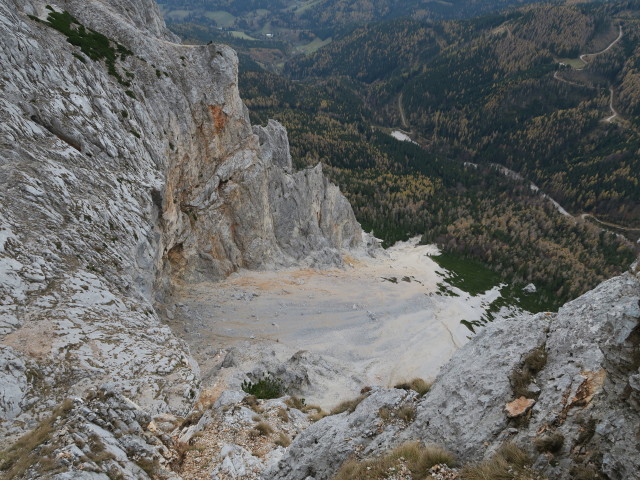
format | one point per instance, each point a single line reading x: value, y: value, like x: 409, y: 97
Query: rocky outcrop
x: 127, y: 163
x: 575, y: 375
x: 99, y: 436
x: 362, y: 432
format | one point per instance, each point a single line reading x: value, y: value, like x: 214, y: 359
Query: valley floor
x: 377, y: 321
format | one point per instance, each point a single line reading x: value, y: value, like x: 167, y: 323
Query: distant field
x: 312, y: 47
x: 178, y: 14
x: 241, y: 35
x: 267, y: 28
x: 222, y: 18
x: 572, y: 62
x: 306, y: 6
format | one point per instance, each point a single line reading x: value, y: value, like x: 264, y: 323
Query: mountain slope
x: 128, y: 164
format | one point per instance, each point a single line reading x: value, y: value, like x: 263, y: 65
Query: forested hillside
x: 287, y: 27
x: 477, y: 95
x: 489, y: 91
x: 474, y: 94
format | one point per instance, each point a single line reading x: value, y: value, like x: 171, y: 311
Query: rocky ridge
x: 128, y: 163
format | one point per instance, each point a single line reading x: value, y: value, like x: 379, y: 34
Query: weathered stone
x: 519, y: 407
x: 111, y: 191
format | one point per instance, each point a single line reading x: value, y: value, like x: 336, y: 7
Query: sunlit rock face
x: 128, y: 163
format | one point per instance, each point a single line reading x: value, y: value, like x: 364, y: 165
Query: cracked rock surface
x: 119, y: 179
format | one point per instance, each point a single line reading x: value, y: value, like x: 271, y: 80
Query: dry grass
x: 296, y: 402
x: 418, y: 459
x: 418, y: 385
x: 318, y: 415
x: 406, y: 413
x: 316, y: 412
x: 385, y: 414
x: 522, y: 377
x: 25, y: 453
x: 551, y: 443
x: 207, y: 397
x: 509, y: 463
x: 252, y: 402
x: 282, y: 414
x: 581, y: 472
x: 348, y: 405
x: 283, y: 440
x: 262, y: 429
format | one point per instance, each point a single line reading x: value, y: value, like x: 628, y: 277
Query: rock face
x: 577, y: 370
x: 118, y: 176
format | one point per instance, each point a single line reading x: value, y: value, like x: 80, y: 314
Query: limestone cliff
x: 128, y: 162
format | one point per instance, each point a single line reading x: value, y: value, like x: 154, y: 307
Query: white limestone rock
x: 111, y: 192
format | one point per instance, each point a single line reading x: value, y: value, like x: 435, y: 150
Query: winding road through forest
x: 585, y: 55
x: 589, y: 56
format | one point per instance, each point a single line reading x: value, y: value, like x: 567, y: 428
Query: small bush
x: 418, y: 459
x: 266, y: 388
x: 551, y: 443
x: 348, y: 405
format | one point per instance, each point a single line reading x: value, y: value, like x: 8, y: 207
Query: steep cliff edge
x: 127, y: 163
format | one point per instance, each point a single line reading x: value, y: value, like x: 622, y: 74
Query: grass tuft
x: 417, y: 458
x: 551, y: 443
x: 418, y: 385
x: 283, y: 440
x: 522, y: 377
x: 348, y: 405
x: 26, y: 451
x: 510, y: 462
x: 262, y: 429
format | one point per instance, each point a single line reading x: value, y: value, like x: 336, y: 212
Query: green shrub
x: 93, y: 44
x: 266, y: 388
